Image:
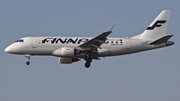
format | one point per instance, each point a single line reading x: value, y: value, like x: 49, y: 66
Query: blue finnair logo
x: 156, y: 24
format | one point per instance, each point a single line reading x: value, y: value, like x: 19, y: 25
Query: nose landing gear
x: 28, y: 59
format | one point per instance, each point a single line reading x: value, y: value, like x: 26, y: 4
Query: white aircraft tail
x: 158, y: 27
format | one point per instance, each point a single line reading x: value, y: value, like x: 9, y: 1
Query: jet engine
x: 66, y: 52
x: 63, y: 60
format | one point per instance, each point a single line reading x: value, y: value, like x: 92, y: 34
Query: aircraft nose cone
x: 8, y: 50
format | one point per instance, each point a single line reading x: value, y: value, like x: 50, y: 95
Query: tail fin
x: 158, y: 27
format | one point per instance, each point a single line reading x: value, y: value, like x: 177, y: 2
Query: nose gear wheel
x: 28, y: 59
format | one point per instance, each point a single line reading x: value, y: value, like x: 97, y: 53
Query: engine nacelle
x: 66, y: 52
x: 68, y: 60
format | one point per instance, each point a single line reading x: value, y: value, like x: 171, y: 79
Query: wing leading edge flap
x: 96, y: 42
x: 160, y: 40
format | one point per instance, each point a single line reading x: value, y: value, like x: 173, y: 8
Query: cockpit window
x: 21, y: 40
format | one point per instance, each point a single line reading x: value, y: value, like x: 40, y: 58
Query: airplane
x: 73, y: 49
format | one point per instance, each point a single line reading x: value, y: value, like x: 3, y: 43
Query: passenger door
x: 34, y: 42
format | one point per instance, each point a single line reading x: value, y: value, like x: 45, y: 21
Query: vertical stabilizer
x: 158, y: 27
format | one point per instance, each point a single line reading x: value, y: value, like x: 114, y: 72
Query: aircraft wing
x: 95, y: 43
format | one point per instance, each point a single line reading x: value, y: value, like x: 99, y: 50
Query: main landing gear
x: 28, y: 59
x: 88, y: 61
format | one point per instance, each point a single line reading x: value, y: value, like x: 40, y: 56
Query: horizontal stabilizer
x: 161, y: 40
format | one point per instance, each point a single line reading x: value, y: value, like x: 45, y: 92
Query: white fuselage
x: 46, y: 45
x: 71, y: 49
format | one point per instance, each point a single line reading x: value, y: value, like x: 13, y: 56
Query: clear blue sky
x: 148, y: 76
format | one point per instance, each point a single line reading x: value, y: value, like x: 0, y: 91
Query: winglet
x: 112, y: 27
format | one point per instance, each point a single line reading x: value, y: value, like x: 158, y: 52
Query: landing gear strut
x: 28, y: 59
x: 88, y: 61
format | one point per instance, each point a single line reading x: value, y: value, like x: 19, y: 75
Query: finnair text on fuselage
x: 66, y: 40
